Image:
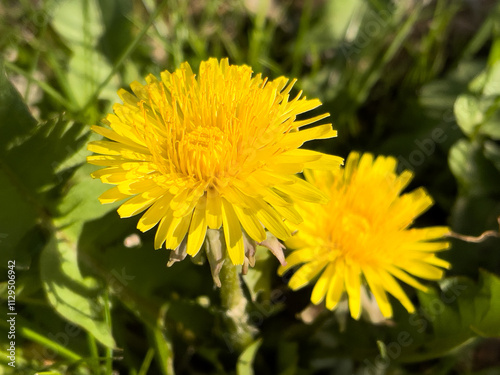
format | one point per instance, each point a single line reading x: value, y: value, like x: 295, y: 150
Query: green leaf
x: 80, y: 24
x: 488, y: 302
x: 258, y: 278
x: 245, y: 360
x: 492, y: 152
x: 475, y: 174
x: 30, y: 155
x: 460, y: 311
x: 492, y: 84
x: 468, y: 113
x: 17, y: 215
x: 74, y: 297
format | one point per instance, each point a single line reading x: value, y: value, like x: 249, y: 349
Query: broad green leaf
x: 492, y: 152
x: 488, y: 306
x: 73, y: 296
x: 475, y: 174
x: 491, y: 127
x: 468, y: 113
x: 81, y: 203
x: 245, y: 361
x: 80, y: 24
x: 492, y: 84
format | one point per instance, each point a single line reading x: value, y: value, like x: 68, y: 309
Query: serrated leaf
x: 30, y: 153
x: 74, y: 297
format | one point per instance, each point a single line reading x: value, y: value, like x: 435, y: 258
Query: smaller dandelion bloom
x: 211, y: 158
x: 363, y: 235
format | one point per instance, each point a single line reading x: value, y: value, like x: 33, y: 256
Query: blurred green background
x: 419, y: 80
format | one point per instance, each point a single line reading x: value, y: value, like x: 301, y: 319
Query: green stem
x: 239, y: 332
x: 109, y: 351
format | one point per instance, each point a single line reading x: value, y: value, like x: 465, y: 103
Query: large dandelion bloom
x: 362, y: 235
x: 213, y: 151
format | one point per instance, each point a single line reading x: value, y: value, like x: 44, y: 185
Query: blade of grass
x: 29, y: 334
x: 374, y: 74
x: 162, y: 343
x: 258, y: 35
x: 36, y: 56
x: 147, y: 362
x: 94, y: 353
x: 300, y: 49
x: 107, y: 317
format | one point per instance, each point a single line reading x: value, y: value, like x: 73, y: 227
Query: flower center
x: 207, y: 150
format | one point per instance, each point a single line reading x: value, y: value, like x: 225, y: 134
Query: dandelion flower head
x: 363, y: 235
x: 214, y: 151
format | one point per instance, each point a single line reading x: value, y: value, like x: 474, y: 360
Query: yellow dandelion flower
x: 213, y: 151
x: 362, y: 235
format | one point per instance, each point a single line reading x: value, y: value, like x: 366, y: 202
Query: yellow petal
x: 271, y: 220
x: 353, y: 288
x: 424, y: 270
x: 155, y: 213
x: 133, y: 187
x: 336, y: 286
x: 319, y: 292
x: 177, y: 231
x: 139, y: 203
x: 303, y: 190
x: 198, y: 228
x: 303, y: 255
x: 115, y: 148
x: 232, y: 233
x: 214, y: 211
x: 248, y: 219
x: 296, y: 139
x: 393, y: 287
x: 375, y: 284
x: 112, y: 195
x: 289, y: 213
x: 305, y: 274
x: 403, y: 276
x: 111, y: 134
x: 163, y: 229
